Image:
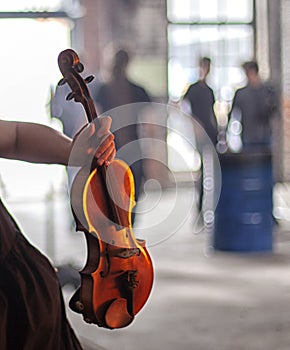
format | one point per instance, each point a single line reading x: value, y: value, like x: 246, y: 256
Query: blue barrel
x: 243, y: 217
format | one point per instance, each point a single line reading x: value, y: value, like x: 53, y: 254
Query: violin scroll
x: 71, y: 67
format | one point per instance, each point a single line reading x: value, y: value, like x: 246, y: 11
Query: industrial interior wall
x: 141, y: 27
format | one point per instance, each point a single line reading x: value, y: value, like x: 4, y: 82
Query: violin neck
x: 90, y: 110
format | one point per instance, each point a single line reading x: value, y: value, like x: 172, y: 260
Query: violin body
x: 117, y: 278
x: 118, y: 275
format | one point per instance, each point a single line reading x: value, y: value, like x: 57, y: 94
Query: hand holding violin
x: 90, y: 143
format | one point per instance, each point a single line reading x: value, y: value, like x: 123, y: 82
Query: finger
x: 104, y: 126
x: 91, y: 129
x: 105, y: 144
x: 105, y: 121
x: 107, y: 154
x: 111, y: 157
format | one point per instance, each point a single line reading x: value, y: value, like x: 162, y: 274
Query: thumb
x: 105, y: 123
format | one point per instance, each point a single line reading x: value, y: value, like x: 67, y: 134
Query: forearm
x: 36, y: 143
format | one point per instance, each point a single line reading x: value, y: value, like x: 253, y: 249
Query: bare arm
x: 33, y: 143
x: 38, y: 143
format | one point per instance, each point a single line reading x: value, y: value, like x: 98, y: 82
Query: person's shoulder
x: 139, y: 92
x: 241, y: 94
x: 191, y: 88
x: 209, y: 88
x: 242, y: 90
x: 136, y: 86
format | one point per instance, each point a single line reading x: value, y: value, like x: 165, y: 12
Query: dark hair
x: 205, y: 60
x: 122, y: 57
x: 121, y: 60
x: 251, y: 65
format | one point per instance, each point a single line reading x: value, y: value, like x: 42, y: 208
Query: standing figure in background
x: 201, y: 100
x: 255, y: 105
x: 71, y: 115
x: 120, y: 91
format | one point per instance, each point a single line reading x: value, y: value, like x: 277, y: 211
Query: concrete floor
x: 206, y: 300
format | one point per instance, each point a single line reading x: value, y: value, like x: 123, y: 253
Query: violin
x: 117, y: 278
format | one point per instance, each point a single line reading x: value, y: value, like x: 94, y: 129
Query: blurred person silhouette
x: 120, y: 91
x: 255, y: 106
x: 200, y: 98
x: 245, y: 209
x: 69, y: 113
x: 33, y: 313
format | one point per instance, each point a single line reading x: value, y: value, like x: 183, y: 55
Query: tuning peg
x: 62, y: 82
x: 70, y: 96
x: 80, y: 67
x: 89, y: 79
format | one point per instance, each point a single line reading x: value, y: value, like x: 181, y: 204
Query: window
x: 29, y: 51
x: 220, y: 29
x: 30, y: 5
x: 210, y: 10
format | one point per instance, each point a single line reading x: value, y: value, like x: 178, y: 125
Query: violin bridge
x: 126, y: 253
